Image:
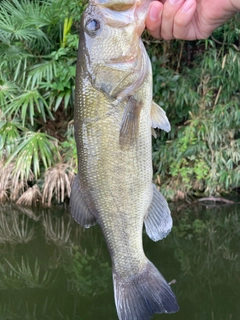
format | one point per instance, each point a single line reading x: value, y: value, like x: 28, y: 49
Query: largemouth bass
x: 114, y: 114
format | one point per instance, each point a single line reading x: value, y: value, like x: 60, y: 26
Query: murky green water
x: 50, y: 268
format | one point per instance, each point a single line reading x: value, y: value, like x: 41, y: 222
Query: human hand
x: 188, y: 19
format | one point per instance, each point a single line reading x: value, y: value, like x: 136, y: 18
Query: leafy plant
x: 28, y: 152
x: 30, y: 197
x: 199, y: 89
x: 37, y: 62
x: 196, y: 83
x: 58, y: 180
x: 89, y: 275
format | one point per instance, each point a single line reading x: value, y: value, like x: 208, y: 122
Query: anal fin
x: 159, y: 118
x: 130, y: 122
x: 79, y: 208
x: 158, y: 221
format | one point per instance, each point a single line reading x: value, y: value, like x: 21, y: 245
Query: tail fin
x: 140, y: 296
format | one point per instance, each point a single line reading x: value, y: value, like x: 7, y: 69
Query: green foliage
x: 35, y: 145
x: 9, y: 137
x: 198, y: 85
x: 38, y: 45
x: 89, y: 275
x: 25, y: 105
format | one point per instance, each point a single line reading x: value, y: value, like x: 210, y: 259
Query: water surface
x: 51, y: 268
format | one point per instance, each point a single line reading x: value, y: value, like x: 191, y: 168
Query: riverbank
x: 197, y: 84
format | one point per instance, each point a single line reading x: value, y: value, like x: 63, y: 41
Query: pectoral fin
x: 159, y: 118
x: 158, y: 221
x: 79, y: 208
x: 130, y: 122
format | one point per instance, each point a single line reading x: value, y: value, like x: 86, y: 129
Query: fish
x: 113, y: 120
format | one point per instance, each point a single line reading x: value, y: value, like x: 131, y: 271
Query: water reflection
x: 50, y: 268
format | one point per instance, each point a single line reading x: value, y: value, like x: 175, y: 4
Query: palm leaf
x: 10, y: 182
x: 23, y: 20
x: 30, y: 197
x: 9, y: 137
x: 8, y: 90
x: 12, y: 51
x: 25, y: 105
x: 58, y: 180
x: 35, y: 149
x: 45, y: 71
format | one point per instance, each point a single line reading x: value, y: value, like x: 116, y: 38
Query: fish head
x: 110, y: 44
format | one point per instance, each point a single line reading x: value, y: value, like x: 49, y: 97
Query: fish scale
x: 113, y: 117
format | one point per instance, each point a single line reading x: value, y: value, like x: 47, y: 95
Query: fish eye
x: 91, y: 26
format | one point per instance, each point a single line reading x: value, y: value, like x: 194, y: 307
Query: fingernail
x: 155, y: 13
x: 188, y: 4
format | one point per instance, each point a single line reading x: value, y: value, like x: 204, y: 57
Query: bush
x: 197, y: 83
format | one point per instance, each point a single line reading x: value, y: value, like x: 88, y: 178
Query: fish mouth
x: 123, y: 62
x: 121, y: 59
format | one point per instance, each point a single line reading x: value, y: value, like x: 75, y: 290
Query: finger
x: 153, y: 21
x: 169, y: 11
x: 184, y: 23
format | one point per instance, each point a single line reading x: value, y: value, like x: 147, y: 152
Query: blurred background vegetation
x: 197, y: 83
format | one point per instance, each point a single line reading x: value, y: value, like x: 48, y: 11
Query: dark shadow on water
x: 51, y: 268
